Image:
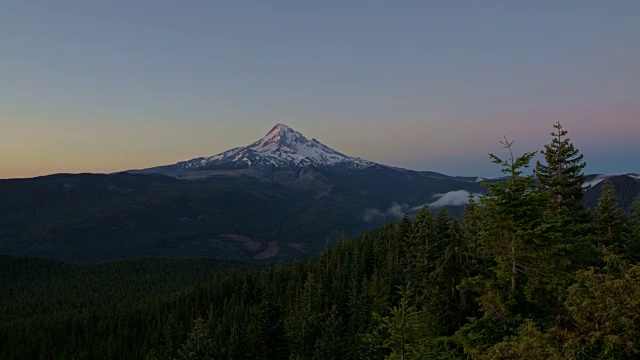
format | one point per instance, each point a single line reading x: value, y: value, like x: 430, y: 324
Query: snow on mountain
x: 281, y: 147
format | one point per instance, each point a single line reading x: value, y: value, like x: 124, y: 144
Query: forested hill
x: 527, y: 272
x: 426, y: 287
x: 627, y: 188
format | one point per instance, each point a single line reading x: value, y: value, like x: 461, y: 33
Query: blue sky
x: 429, y: 85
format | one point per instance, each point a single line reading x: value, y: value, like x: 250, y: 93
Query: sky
x: 105, y: 86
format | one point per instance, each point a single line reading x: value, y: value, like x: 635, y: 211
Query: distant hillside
x: 90, y: 218
x: 627, y: 189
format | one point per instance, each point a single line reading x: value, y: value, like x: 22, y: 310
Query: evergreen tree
x: 443, y: 222
x: 172, y: 335
x: 511, y: 215
x: 634, y: 239
x: 445, y: 306
x: 266, y: 337
x: 562, y: 174
x: 470, y: 222
x: 403, y: 327
x: 301, y: 322
x: 332, y: 342
x: 600, y: 320
x: 199, y: 344
x: 603, y: 310
x: 510, y: 218
x: 421, y: 247
x: 610, y: 221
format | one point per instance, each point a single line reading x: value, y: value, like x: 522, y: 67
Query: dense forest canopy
x: 527, y: 272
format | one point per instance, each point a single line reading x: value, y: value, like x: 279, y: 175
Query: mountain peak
x: 281, y: 148
x: 280, y: 128
x: 280, y: 135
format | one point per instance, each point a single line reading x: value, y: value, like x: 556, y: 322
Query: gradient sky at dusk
x: 103, y: 86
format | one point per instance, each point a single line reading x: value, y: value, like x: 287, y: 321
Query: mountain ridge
x: 279, y: 198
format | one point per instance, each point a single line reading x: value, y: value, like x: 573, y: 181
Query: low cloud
x: 394, y: 211
x: 397, y: 210
x: 452, y: 198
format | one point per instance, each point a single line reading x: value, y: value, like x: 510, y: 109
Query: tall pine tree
x: 561, y: 174
x: 611, y: 222
x: 566, y: 219
x: 634, y: 239
x: 511, y: 213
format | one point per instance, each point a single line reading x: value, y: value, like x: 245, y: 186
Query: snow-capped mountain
x: 281, y: 148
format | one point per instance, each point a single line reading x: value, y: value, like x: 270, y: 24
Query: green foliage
x: 561, y: 174
x: 511, y: 219
x: 530, y: 343
x: 423, y: 243
x: 567, y: 220
x: 403, y: 327
x: 199, y: 344
x: 446, y: 307
x: 332, y: 342
x: 478, y: 335
x: 600, y: 322
x: 634, y: 239
x: 611, y: 222
x: 603, y: 308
